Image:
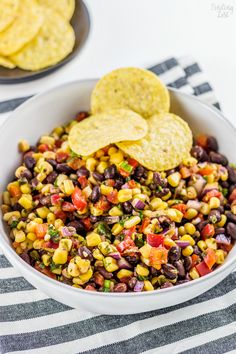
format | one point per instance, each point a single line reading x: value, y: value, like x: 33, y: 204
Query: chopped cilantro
x: 54, y: 234
x: 14, y: 224
x: 104, y: 230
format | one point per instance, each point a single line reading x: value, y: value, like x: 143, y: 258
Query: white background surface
x: 143, y: 32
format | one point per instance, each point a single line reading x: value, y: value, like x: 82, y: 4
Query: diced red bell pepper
x: 110, y: 182
x: 43, y: 148
x: 133, y: 162
x: 125, y: 169
x: 208, y: 231
x: 202, y: 140
x: 41, y: 230
x: 112, y: 197
x: 145, y: 223
x: 126, y: 244
x: 195, y: 259
x: 45, y: 271
x: 55, y: 199
x: 232, y: 196
x: 66, y: 206
x: 205, y: 171
x: 78, y: 199
x: 132, y: 184
x: 103, y: 204
x: 87, y: 223
x: 60, y: 214
x: 51, y: 244
x: 210, y: 258
x: 14, y: 191
x: 181, y: 207
x: 210, y: 194
x: 129, y: 232
x: 158, y: 256
x: 58, y: 143
x: 185, y: 172
x: 155, y: 240
x: 203, y: 269
x: 61, y: 156
x: 76, y: 163
x: 83, y: 181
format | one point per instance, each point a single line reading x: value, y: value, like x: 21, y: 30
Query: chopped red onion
x: 182, y: 244
x: 65, y: 232
x: 138, y: 286
x: 111, y: 219
x: 125, y: 186
x: 199, y: 183
x: 224, y: 240
x: 193, y: 204
x: 138, y: 204
x: 115, y: 255
x: 123, y: 264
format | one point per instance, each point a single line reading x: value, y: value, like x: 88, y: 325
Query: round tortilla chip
x: 23, y: 29
x: 65, y: 7
x: 8, y: 12
x: 100, y: 130
x: 6, y: 63
x: 133, y: 88
x: 167, y: 143
x: 53, y: 43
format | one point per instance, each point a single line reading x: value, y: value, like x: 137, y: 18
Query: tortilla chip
x: 8, y: 12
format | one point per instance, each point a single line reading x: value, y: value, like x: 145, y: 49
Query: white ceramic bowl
x: 40, y: 115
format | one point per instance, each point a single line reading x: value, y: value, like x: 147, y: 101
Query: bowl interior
x: 42, y: 113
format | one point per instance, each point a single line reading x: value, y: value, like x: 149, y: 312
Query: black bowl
x: 81, y: 25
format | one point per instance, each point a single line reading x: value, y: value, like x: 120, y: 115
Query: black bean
x: 174, y: 254
x: 219, y: 230
x: 159, y: 181
x: 120, y: 288
x: 196, y: 250
x: 98, y: 176
x: 231, y: 230
x: 17, y: 207
x: 212, y: 143
x: 34, y: 182
x: 132, y: 282
x: 170, y: 172
x: 127, y: 207
x: 45, y: 199
x: 231, y: 216
x: 167, y: 284
x: 110, y: 172
x: 25, y: 257
x: 231, y: 188
x: 51, y: 177
x: 83, y: 171
x: 231, y: 174
x: 105, y: 273
x: 221, y: 209
x: 52, y: 162
x: 224, y: 184
x: 180, y: 268
x: 133, y: 259
x: 95, y: 195
x: 27, y: 174
x: 85, y: 253
x: 77, y: 225
x: 139, y: 172
x: 218, y: 158
x: 182, y: 281
x: 164, y: 221
x: 188, y: 263
x: 214, y: 216
x: 199, y: 153
x: 118, y: 183
x: 169, y: 271
x: 64, y: 168
x: 162, y: 192
x: 201, y: 225
x: 29, y: 162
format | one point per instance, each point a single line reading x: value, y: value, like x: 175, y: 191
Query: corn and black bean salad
x: 105, y: 223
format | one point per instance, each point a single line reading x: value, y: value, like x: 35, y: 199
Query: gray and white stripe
x: 30, y: 322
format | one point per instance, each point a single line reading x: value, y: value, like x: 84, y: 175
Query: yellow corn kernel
x: 194, y: 273
x: 102, y: 166
x: 233, y: 209
x: 191, y: 192
x: 91, y: 164
x: 48, y: 140
x: 145, y: 260
x: 58, y: 223
x: 168, y: 242
x: 148, y: 285
x: 49, y: 155
x: 93, y: 239
x: 68, y: 187
x: 181, y: 230
x: 191, y: 213
x: 187, y: 251
x: 116, y: 229
x: 23, y: 146
x: 214, y: 203
x: 211, y: 243
x: 83, y: 265
x: 43, y: 212
x: 104, y: 158
x: 30, y: 227
x: 100, y: 153
x: 38, y: 244
x: 210, y: 178
x: 149, y: 177
x: 37, y: 155
x: 51, y: 218
x: 31, y: 236
x: 188, y: 238
x: 110, y: 264
x: 65, y: 243
x: 38, y: 221
x: 189, y: 228
x: 112, y: 150
x: 60, y: 256
x: 156, y: 203
x: 41, y: 176
x: 26, y: 201
x: 145, y: 250
x: 105, y: 190
x: 205, y: 208
x: 46, y: 258
x: 95, y: 211
x: 174, y: 179
x: 167, y: 196
x: 115, y: 211
x: 19, y: 235
x: 222, y: 221
x: 123, y: 273
x: 143, y: 271
x: 220, y: 256
x: 124, y: 195
x: 10, y: 214
x: 39, y: 186
x: 106, y: 248
x: 6, y: 198
x: 202, y: 245
x: 73, y: 269
x: 189, y: 161
x: 25, y: 188
x: 44, y: 167
x: 134, y: 220
x: 86, y: 276
x: 60, y: 180
x: 175, y: 215
x: 154, y: 280
x: 116, y: 158
x: 97, y: 255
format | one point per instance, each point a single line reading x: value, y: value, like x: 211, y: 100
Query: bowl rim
x: 9, y: 251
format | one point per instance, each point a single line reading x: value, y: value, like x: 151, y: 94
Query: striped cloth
x: 30, y: 322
